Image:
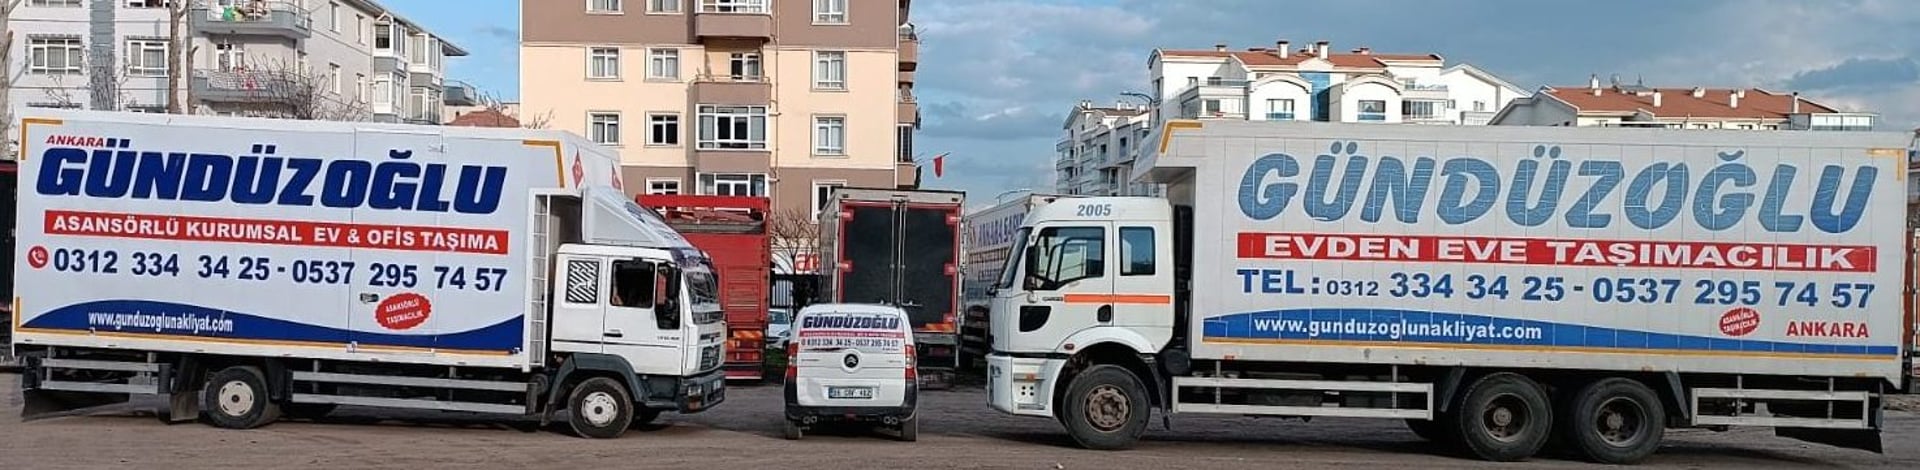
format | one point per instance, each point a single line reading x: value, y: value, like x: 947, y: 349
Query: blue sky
x: 998, y: 76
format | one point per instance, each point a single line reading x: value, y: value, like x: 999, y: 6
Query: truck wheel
x: 1504, y: 417
x: 1106, y: 408
x: 236, y: 398
x: 1616, y: 421
x: 599, y: 408
x: 792, y: 430
x: 910, y: 429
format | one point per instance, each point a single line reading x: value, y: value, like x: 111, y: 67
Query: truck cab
x: 657, y: 309
x: 1087, y: 276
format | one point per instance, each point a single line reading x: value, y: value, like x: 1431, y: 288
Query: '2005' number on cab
x: 1094, y: 210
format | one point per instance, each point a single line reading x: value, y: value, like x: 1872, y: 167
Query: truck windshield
x: 702, y: 289
x: 1016, y: 251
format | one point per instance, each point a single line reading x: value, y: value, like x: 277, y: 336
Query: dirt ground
x: 957, y: 432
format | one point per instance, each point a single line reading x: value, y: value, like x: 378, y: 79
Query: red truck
x: 734, y: 232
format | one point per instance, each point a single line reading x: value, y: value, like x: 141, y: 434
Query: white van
x: 852, y: 362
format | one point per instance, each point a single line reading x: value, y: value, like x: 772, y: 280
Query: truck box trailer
x: 1491, y: 286
x: 901, y: 248
x: 292, y: 266
x: 733, y: 231
x: 989, y: 240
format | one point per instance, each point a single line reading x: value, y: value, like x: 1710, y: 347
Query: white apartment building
x: 307, y: 59
x: 1638, y: 105
x: 1096, y: 154
x: 1317, y: 84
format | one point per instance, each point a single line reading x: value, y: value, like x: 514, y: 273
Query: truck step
x: 1196, y: 402
x: 410, y: 403
x: 329, y: 377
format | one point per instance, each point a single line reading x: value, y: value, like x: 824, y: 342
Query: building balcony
x: 735, y: 19
x: 906, y: 76
x: 908, y: 112
x: 424, y: 80
x: 906, y: 174
x: 1427, y: 91
x: 388, y: 63
x: 227, y: 86
x: 909, y: 48
x: 260, y: 18
x: 722, y: 89
x: 460, y: 94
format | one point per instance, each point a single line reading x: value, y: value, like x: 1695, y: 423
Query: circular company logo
x: 1739, y: 322
x: 37, y: 257
x: 404, y: 311
x: 851, y: 361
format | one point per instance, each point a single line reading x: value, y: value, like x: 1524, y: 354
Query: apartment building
x: 305, y: 59
x: 781, y: 99
x: 1095, y: 155
x: 1315, y: 83
x: 1638, y: 105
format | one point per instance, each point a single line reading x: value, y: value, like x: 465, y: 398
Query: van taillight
x: 912, y: 364
x: 793, y: 361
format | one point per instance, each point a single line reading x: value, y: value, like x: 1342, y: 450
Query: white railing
x: 255, y: 11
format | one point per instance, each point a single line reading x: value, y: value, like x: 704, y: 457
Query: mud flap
x: 181, y: 407
x: 1862, y: 439
x: 48, y: 403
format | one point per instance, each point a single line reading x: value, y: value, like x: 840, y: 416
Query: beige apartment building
x: 783, y: 98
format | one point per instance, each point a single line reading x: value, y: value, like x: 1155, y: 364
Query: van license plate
x: 849, y: 392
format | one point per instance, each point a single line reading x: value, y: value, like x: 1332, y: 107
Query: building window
x: 419, y: 45
x: 733, y: 184
x: 830, y: 70
x: 59, y: 56
x: 333, y: 16
x: 830, y: 135
x: 603, y: 6
x: 734, y: 6
x: 663, y: 129
x: 1373, y: 110
x: 359, y: 87
x: 1746, y: 127
x: 1702, y: 126
x: 904, y: 133
x: 663, y: 185
x: 1193, y: 82
x: 383, y: 90
x: 666, y: 7
x: 603, y: 63
x: 1480, y: 106
x: 733, y: 127
x: 1773, y: 127
x: 147, y: 58
x: 1212, y: 107
x: 360, y: 28
x: 663, y: 64
x: 830, y: 11
x: 1280, y: 110
x: 419, y: 107
x: 1414, y: 109
x: 744, y: 66
x: 53, y: 3
x: 822, y: 190
x: 604, y: 128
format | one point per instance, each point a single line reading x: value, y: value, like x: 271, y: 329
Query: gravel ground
x: 957, y: 432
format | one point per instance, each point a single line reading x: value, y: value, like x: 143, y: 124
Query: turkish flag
x: 939, y: 165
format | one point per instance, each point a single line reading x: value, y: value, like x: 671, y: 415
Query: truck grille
x: 709, y: 357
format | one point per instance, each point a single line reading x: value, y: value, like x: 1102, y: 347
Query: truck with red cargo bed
x: 733, y: 231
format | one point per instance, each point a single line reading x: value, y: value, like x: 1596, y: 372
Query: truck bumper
x: 700, y: 392
x: 1022, y: 386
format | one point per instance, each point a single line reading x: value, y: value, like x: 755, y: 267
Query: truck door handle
x: 615, y: 334
x: 1105, y: 314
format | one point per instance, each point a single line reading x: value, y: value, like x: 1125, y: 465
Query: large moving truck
x: 286, y: 267
x: 733, y: 230
x: 1492, y: 286
x: 988, y: 244
x: 900, y: 248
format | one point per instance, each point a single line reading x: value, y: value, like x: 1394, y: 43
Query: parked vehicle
x: 286, y: 267
x: 779, y: 328
x: 900, y: 248
x: 9, y: 181
x: 733, y: 230
x: 1489, y: 285
x: 989, y: 235
x: 852, y: 362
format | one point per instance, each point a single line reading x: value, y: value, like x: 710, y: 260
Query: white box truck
x: 989, y: 240
x: 250, y: 268
x: 1489, y: 285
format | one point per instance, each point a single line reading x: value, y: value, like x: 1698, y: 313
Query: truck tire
x: 1106, y: 408
x: 599, y: 408
x: 237, y: 398
x: 1503, y: 417
x: 1616, y: 421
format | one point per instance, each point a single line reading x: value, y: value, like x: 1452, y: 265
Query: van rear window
x: 866, y: 332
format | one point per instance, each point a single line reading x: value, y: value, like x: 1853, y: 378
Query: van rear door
x: 852, y: 358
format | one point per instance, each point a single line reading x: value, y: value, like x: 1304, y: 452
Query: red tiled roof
x: 485, y: 118
x: 1679, y: 102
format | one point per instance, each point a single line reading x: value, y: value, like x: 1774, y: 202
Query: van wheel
x: 236, y: 398
x: 599, y: 408
x: 1106, y: 408
x: 791, y: 430
x: 1616, y: 421
x: 1504, y: 417
x: 910, y: 429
